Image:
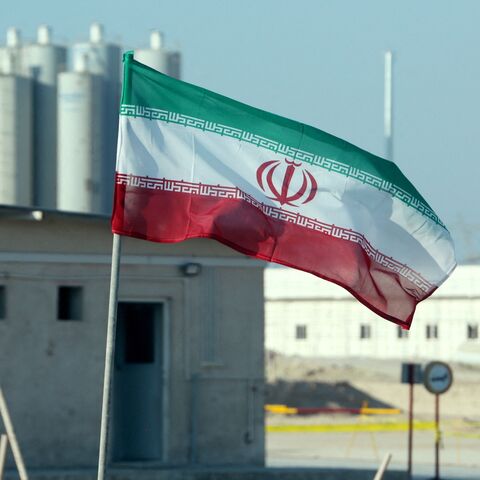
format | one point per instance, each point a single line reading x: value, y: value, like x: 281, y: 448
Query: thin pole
x: 3, y: 452
x: 383, y: 467
x: 7, y: 421
x: 388, y: 105
x: 410, y: 421
x: 437, y: 437
x: 109, y: 355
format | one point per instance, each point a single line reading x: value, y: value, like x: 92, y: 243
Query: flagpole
x: 109, y: 355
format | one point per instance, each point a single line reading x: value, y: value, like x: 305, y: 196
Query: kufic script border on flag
x: 277, y: 147
x: 296, y: 218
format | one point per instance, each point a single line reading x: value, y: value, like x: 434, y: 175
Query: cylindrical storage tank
x: 80, y: 143
x: 11, y: 55
x: 156, y: 56
x: 44, y: 62
x: 16, y: 161
x: 104, y: 59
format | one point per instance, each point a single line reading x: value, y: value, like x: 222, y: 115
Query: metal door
x: 138, y: 400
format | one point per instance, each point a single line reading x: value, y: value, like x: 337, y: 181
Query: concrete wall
x: 52, y: 371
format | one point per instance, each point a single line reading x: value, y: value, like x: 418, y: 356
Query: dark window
x: 301, y: 332
x: 431, y: 331
x: 365, y: 331
x: 472, y: 331
x: 402, y: 333
x: 139, y: 332
x: 69, y: 305
x: 3, y: 302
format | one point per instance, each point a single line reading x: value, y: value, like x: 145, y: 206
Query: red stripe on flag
x: 166, y: 216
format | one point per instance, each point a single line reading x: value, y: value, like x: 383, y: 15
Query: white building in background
x: 307, y: 316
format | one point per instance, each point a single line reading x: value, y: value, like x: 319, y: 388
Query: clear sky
x: 321, y: 62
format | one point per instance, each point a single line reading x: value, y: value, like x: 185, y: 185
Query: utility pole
x: 388, y: 106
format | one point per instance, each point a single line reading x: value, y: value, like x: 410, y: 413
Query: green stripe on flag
x: 150, y: 94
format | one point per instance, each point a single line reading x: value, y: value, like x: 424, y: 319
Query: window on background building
x: 431, y: 331
x: 301, y: 332
x: 69, y: 303
x: 3, y: 302
x: 472, y: 331
x: 365, y: 331
x: 402, y: 333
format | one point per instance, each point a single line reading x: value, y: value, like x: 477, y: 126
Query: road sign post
x: 411, y: 374
x: 438, y: 378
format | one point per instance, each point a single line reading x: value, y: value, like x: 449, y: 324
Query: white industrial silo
x: 104, y: 59
x: 156, y: 56
x: 15, y: 138
x: 80, y: 141
x: 43, y: 62
x: 11, y: 55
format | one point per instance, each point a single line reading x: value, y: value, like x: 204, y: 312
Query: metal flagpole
x: 109, y: 355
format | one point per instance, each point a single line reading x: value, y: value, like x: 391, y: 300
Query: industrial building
x: 189, y: 367
x: 59, y: 116
x: 188, y: 379
x: 189, y: 364
x: 307, y: 316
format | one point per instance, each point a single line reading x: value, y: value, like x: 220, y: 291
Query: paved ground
x: 354, y: 382
x: 460, y: 457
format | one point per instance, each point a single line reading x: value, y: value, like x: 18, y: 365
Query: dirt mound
x: 320, y: 394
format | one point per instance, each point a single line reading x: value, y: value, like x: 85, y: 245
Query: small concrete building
x: 189, y: 364
x: 307, y: 316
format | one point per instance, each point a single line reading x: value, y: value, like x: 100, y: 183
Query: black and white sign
x: 437, y: 377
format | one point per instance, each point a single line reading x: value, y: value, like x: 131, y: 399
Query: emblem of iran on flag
x: 192, y: 163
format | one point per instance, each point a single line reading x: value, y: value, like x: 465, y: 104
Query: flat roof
x: 14, y: 211
x: 290, y: 284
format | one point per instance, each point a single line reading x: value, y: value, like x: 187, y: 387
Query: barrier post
x: 12, y: 438
x: 3, y: 453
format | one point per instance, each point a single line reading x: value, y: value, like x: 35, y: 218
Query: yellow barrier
x: 281, y: 409
x: 380, y: 411
x: 285, y: 410
x: 352, y: 427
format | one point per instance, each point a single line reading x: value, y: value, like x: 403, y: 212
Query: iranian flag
x: 192, y: 163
